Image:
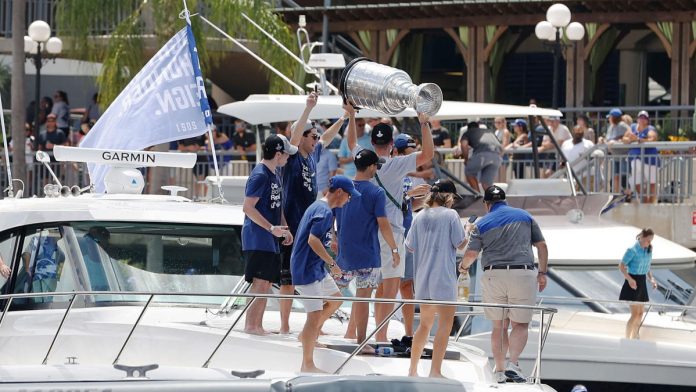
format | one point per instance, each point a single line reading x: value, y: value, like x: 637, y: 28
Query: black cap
x: 365, y: 158
x: 274, y: 143
x: 445, y: 186
x: 494, y: 193
x: 382, y: 134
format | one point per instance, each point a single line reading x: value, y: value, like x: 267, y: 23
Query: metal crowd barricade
x: 73, y: 296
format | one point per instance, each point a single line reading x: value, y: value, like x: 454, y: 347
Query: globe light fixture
x: 552, y: 29
x: 38, y: 41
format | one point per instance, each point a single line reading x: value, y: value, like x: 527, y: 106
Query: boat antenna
x: 185, y: 14
x: 10, y: 186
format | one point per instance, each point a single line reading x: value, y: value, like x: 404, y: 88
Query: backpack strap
x: 393, y: 200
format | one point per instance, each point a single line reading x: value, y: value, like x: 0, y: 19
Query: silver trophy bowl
x: 366, y: 84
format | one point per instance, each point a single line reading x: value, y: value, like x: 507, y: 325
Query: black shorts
x: 640, y: 294
x: 285, y: 276
x: 261, y: 265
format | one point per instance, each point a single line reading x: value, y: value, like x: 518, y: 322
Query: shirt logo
x: 275, y: 196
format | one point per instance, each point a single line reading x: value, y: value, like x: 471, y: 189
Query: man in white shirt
x: 561, y: 133
x: 391, y: 178
x: 576, y: 147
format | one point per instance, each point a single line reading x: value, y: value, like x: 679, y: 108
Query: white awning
x: 261, y: 108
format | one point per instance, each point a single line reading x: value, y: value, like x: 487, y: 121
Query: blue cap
x: 345, y: 184
x: 520, y: 122
x: 403, y: 141
x: 615, y: 112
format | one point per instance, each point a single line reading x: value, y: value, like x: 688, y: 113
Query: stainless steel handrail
x: 400, y: 303
x: 130, y: 333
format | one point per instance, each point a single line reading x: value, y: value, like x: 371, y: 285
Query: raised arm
x: 330, y: 133
x: 428, y: 150
x: 298, y: 128
x: 352, y: 129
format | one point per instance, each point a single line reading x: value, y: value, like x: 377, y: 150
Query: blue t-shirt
x: 299, y: 186
x: 649, y: 152
x: 358, y: 243
x: 327, y: 164
x: 365, y: 142
x: 637, y: 259
x: 265, y: 185
x: 306, y: 266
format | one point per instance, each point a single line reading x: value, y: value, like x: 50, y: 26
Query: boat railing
x: 681, y: 310
x: 546, y: 315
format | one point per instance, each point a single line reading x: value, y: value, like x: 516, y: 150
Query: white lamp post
x: 38, y: 40
x: 557, y: 22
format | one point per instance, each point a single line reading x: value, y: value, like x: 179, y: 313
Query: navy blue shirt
x: 358, y: 243
x: 307, y: 267
x: 299, y: 186
x: 265, y: 185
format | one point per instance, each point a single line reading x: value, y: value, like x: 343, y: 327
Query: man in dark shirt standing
x: 483, y: 163
x: 51, y: 136
x: 263, y: 224
x: 441, y: 136
x: 244, y: 141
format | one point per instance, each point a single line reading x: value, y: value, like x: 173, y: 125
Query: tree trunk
x: 19, y: 167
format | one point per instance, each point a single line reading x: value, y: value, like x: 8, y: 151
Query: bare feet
x: 349, y: 335
x: 437, y: 375
x: 284, y: 331
x: 412, y: 373
x: 310, y: 369
x: 367, y: 350
x: 255, y: 331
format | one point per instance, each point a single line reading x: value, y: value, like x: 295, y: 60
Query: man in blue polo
x: 505, y: 237
x: 309, y: 261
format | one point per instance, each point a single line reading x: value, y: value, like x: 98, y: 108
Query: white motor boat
x: 107, y: 288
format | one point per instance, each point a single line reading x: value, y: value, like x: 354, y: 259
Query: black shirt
x: 439, y: 136
x: 57, y: 138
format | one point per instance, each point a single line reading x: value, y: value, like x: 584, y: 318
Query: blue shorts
x: 365, y: 278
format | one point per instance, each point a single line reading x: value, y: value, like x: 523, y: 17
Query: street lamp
x: 557, y: 22
x: 38, y: 41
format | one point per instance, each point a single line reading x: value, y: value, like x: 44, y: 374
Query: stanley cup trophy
x: 366, y: 84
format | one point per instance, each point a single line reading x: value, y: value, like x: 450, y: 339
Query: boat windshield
x: 127, y: 256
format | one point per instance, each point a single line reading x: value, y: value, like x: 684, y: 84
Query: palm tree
x: 79, y: 23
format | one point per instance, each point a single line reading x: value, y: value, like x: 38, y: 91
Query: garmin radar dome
x: 124, y: 176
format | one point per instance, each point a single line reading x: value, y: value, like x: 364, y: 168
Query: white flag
x: 165, y: 101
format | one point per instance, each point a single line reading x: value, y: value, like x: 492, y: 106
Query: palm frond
x: 114, y: 32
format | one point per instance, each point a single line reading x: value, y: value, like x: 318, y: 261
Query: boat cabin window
x: 124, y: 256
x: 7, y: 247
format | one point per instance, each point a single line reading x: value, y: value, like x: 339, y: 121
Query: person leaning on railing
x: 643, y: 161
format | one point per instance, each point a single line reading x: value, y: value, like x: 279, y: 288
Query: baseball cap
x: 279, y: 143
x: 554, y: 118
x: 494, y: 193
x: 643, y: 113
x: 520, y: 122
x: 615, y: 112
x: 365, y: 158
x: 382, y: 134
x: 403, y: 141
x: 309, y: 125
x: 445, y: 186
x: 345, y: 184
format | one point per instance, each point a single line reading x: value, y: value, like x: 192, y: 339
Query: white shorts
x: 642, y: 172
x: 385, y: 254
x: 321, y: 288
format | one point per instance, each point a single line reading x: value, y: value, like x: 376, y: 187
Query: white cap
x: 289, y: 148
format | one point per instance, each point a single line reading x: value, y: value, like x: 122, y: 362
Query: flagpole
x: 10, y: 189
x: 211, y: 139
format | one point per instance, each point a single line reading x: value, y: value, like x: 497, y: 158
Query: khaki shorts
x: 513, y: 287
x: 385, y: 254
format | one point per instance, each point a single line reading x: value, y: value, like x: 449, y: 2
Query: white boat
x: 148, y: 289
